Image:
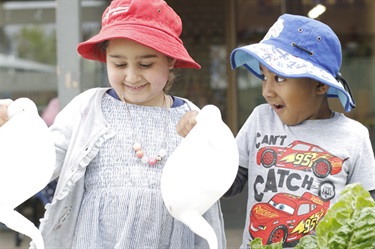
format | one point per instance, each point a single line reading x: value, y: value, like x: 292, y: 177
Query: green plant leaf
x: 257, y: 244
x: 348, y: 224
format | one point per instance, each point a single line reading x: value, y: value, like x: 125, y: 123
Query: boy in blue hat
x: 296, y: 154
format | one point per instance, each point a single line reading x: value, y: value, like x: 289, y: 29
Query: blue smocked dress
x: 122, y: 205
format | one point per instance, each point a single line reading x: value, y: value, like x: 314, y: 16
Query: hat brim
x: 147, y: 36
x: 289, y: 66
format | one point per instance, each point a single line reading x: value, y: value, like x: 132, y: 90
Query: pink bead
x: 139, y: 153
x: 152, y: 162
x: 137, y: 146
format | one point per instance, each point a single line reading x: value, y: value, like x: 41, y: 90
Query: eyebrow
x: 147, y: 56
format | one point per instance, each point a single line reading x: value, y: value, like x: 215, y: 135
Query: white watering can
x: 27, y: 160
x: 200, y: 171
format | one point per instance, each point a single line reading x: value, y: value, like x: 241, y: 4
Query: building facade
x: 211, y: 30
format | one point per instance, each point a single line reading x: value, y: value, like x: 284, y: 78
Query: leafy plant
x: 257, y: 244
x: 348, y: 224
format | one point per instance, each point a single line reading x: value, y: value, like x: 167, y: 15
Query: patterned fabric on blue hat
x: 298, y: 47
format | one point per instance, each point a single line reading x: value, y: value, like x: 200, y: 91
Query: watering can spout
x: 195, y: 221
x: 15, y: 221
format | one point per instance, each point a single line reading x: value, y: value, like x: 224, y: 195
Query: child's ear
x: 171, y: 63
x: 321, y: 88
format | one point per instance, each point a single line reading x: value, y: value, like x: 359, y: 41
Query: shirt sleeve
x: 238, y: 184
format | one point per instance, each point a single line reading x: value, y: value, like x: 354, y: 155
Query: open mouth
x: 278, y: 107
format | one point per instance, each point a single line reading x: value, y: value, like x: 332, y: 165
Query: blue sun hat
x: 298, y: 47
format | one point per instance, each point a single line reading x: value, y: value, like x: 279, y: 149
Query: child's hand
x: 186, y: 123
x: 4, y: 103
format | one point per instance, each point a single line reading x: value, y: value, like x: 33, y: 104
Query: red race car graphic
x: 301, y: 156
x: 286, y: 217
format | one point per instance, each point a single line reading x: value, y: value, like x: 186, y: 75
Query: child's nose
x: 268, y: 90
x: 131, y: 75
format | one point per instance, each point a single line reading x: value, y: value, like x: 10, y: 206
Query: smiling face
x: 295, y: 99
x: 136, y: 72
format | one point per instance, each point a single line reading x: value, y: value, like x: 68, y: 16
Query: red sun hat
x: 151, y: 23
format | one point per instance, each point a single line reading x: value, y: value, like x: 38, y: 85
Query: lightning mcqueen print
x: 286, y: 218
x: 301, y: 156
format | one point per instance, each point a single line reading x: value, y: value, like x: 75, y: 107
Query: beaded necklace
x: 137, y: 146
